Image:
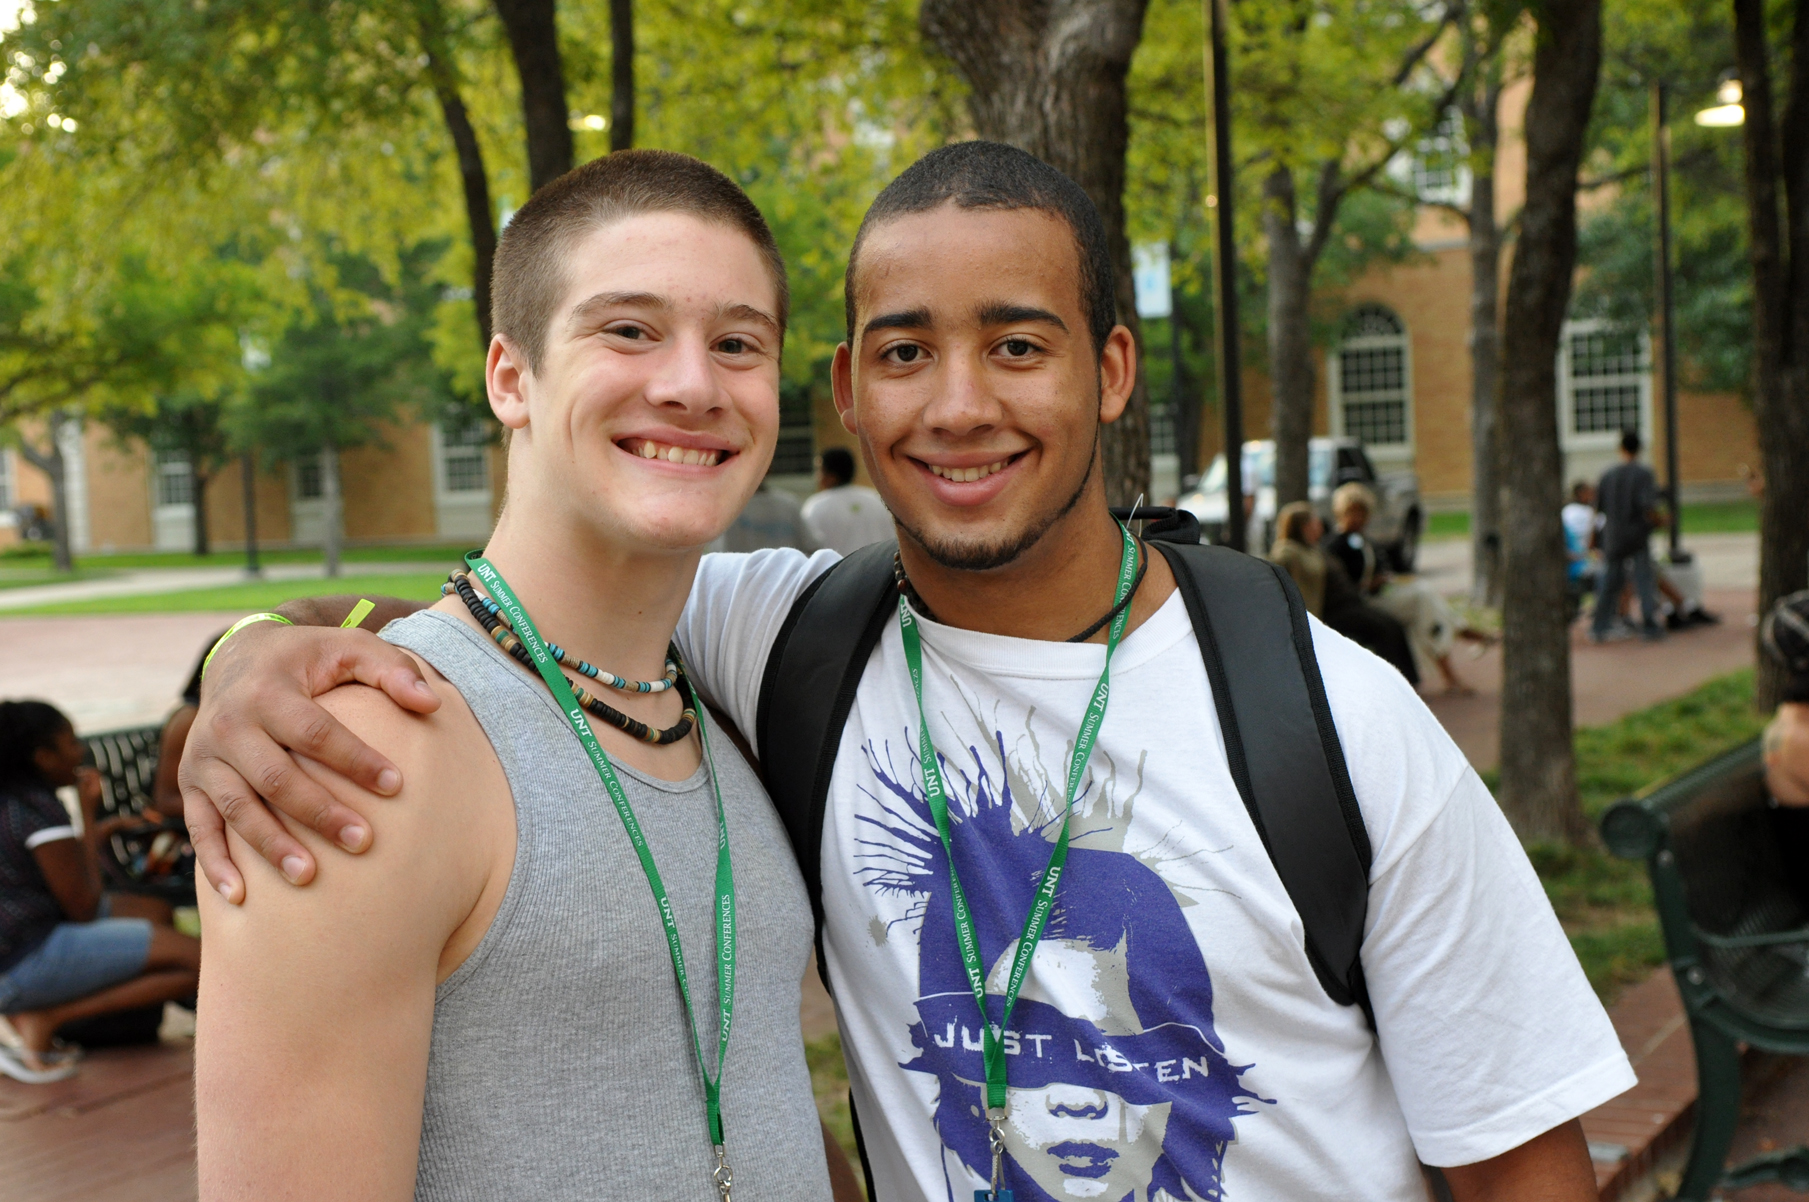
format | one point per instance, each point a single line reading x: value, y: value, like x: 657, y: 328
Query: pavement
x: 144, y: 581
x: 1609, y: 681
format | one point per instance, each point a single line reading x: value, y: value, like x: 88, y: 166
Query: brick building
x: 423, y: 485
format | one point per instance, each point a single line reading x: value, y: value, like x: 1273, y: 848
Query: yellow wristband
x: 237, y: 626
x: 359, y: 613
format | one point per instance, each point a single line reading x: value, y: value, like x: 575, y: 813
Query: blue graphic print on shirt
x: 1119, y: 1086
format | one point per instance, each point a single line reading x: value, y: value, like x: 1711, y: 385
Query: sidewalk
x: 144, y: 581
x: 1610, y: 681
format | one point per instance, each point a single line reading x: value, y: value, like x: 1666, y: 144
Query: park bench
x: 127, y: 763
x: 1730, y: 879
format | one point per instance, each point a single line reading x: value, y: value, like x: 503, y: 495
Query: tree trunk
x: 1485, y: 356
x: 198, y: 482
x: 1780, y: 272
x: 479, y: 215
x: 1290, y: 337
x: 51, y: 463
x: 621, y: 68
x: 1538, y: 761
x: 1051, y: 80
x: 329, y: 494
x: 533, y: 30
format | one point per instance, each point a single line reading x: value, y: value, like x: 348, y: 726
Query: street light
x: 1730, y: 112
x: 1224, y: 270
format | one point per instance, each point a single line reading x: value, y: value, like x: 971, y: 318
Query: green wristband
x: 237, y: 626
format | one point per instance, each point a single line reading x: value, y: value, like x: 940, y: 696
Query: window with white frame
x: 1606, y: 377
x: 310, y: 482
x: 1371, y: 378
x: 175, y: 480
x: 1441, y: 169
x: 463, y: 468
x: 8, y: 497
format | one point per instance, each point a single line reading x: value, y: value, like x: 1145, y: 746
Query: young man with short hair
x: 571, y: 968
x: 1171, y: 1038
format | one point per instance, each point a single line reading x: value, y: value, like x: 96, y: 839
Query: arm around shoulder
x: 317, y: 1004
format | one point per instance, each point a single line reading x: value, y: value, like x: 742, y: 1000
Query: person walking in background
x: 68, y: 951
x: 843, y: 515
x: 772, y: 518
x: 1628, y: 500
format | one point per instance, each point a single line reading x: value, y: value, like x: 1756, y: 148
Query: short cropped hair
x: 1579, y: 490
x: 838, y: 464
x: 530, y: 270
x: 1630, y: 442
x: 1351, y: 494
x: 991, y: 175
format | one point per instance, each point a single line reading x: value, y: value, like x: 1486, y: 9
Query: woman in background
x: 1432, y: 627
x: 68, y: 951
x: 1328, y: 592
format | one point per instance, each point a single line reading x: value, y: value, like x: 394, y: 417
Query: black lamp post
x: 1224, y: 272
x: 1667, y: 317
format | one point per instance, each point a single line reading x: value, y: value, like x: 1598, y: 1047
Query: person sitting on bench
x: 67, y: 950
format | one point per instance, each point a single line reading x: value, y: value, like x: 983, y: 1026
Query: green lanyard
x: 937, y: 796
x: 725, y: 877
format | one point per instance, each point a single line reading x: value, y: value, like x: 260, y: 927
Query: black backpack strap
x: 807, y: 692
x: 1252, y: 629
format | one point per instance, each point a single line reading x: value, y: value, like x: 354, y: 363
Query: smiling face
x: 654, y: 412
x: 972, y: 382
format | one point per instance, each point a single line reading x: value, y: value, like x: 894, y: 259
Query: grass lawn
x: 1721, y: 517
x: 1605, y: 903
x: 36, y: 556
x: 17, y: 577
x: 249, y: 597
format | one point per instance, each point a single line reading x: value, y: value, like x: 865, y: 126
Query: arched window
x: 1371, y: 379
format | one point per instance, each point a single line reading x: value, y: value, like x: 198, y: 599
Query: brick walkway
x: 121, y: 1130
x: 1608, y: 681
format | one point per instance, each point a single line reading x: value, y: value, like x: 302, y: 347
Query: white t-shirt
x: 847, y: 518
x: 1172, y: 1036
x: 1579, y: 522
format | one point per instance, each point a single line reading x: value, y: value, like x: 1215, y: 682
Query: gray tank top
x: 560, y: 1067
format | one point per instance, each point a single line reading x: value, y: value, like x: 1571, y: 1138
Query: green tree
x: 1328, y: 93
x: 1777, y: 197
x: 358, y: 359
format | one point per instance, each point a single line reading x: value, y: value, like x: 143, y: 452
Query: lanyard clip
x: 995, y: 1136
x: 723, y: 1178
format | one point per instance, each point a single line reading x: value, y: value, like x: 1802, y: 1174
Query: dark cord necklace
x: 909, y: 592
x: 490, y: 618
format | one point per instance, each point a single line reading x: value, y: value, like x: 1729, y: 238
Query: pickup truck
x: 1395, y: 528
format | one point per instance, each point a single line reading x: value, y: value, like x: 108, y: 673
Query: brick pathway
x: 1628, y: 1135
x: 121, y: 1130
x: 1608, y: 681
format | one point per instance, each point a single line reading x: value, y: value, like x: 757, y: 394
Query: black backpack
x: 1251, y: 626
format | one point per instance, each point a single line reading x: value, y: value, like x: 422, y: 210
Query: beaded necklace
x: 489, y: 616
